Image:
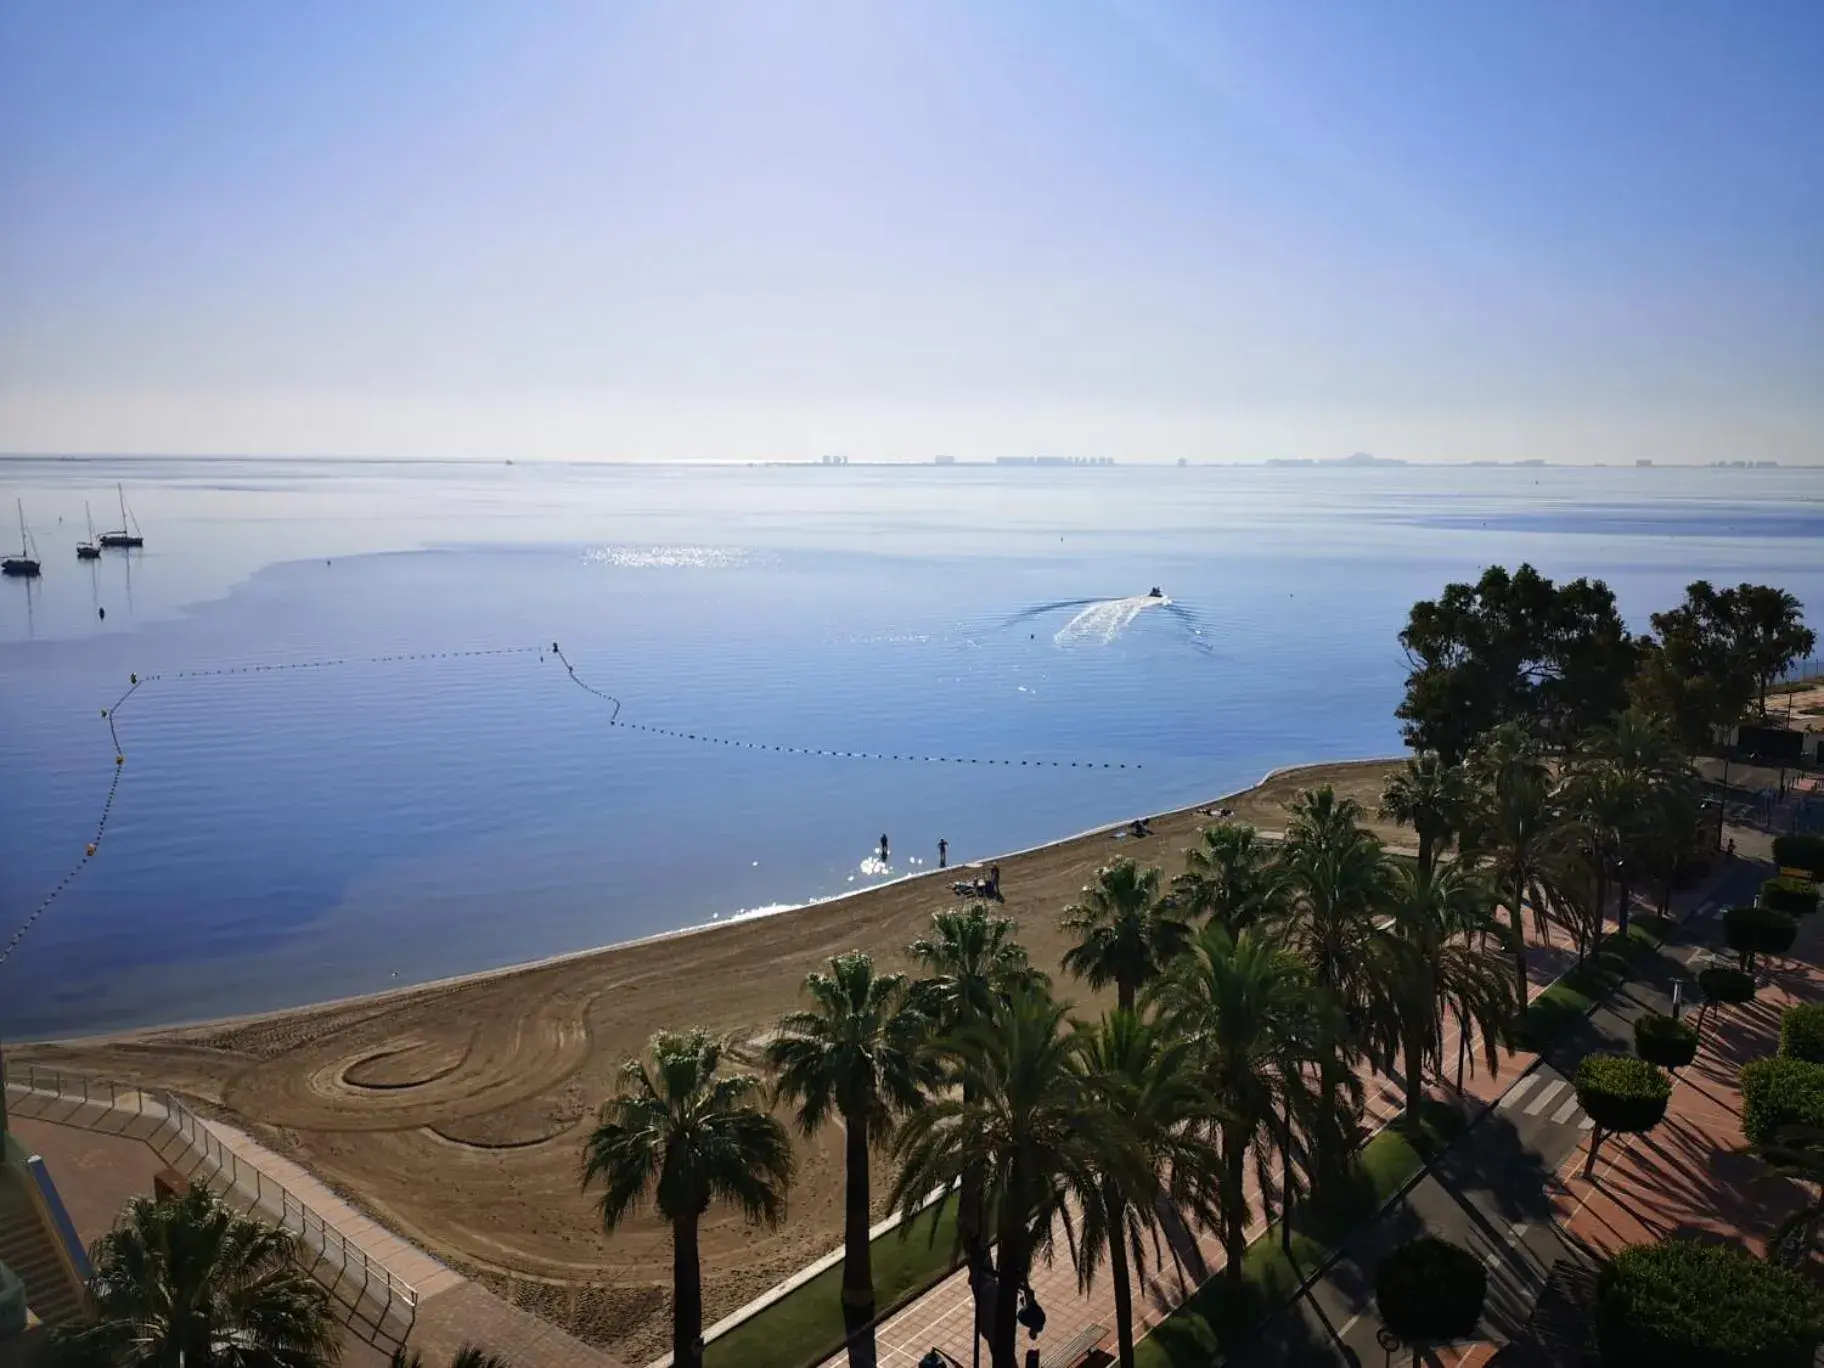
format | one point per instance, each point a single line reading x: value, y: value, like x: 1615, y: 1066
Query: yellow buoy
x: 91, y: 847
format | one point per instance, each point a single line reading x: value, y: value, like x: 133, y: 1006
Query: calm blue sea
x: 285, y: 836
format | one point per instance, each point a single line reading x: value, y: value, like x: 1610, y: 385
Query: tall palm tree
x: 857, y: 1056
x: 1144, y: 1075
x: 1259, y: 1029
x: 469, y: 1356
x: 188, y: 1280
x: 1645, y: 771
x: 1603, y: 807
x: 1335, y: 877
x: 1430, y: 796
x: 1027, y: 1122
x: 971, y: 962
x: 689, y: 1135
x: 1229, y: 877
x: 1517, y: 825
x: 1127, y: 935
x: 1433, y: 947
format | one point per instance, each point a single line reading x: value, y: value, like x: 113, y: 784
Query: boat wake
x: 1102, y: 620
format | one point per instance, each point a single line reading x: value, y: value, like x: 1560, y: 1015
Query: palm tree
x: 469, y: 1356
x: 972, y: 963
x: 689, y: 1136
x: 1433, y: 948
x: 1603, y: 806
x: 1127, y: 935
x: 1228, y: 877
x: 1516, y: 824
x: 188, y: 1280
x: 1025, y: 1119
x: 1644, y: 770
x: 1144, y: 1075
x: 1430, y: 796
x: 856, y: 1056
x: 1259, y: 1028
x: 1335, y: 877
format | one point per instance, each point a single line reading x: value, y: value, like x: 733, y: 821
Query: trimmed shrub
x: 1680, y: 1304
x: 1752, y: 931
x: 1720, y: 983
x: 1802, y: 1032
x: 1780, y: 1092
x: 1795, y: 897
x: 1430, y: 1290
x: 1622, y: 1095
x: 1661, y: 1040
x: 1800, y: 852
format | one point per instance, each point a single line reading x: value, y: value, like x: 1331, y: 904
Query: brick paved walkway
x: 1690, y: 1174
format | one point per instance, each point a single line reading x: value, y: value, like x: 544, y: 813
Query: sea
x: 396, y: 721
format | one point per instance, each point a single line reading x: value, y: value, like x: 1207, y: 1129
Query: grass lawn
x: 806, y: 1324
x: 1571, y: 998
x: 1218, y: 1316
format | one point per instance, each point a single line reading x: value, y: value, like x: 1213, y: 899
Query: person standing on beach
x: 943, y: 852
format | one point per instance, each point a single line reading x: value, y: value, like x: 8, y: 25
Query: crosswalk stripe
x: 1586, y: 1124
x: 1564, y: 1113
x: 1518, y: 1091
x: 1543, y: 1098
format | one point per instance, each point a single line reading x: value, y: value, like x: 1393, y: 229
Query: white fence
x: 364, y: 1284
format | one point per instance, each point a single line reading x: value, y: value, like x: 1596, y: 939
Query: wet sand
x: 456, y: 1111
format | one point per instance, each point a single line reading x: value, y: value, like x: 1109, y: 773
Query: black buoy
x: 101, y: 613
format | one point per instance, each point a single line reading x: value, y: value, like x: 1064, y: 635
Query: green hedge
x: 1802, y: 1032
x: 1430, y: 1290
x: 1570, y: 999
x: 1663, y: 1041
x: 1795, y: 897
x: 1780, y: 1092
x: 1622, y: 1093
x: 1800, y: 852
x: 1680, y: 1304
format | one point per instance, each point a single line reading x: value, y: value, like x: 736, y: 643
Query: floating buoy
x: 104, y: 712
x: 102, y: 613
x: 91, y: 847
x: 120, y: 759
x: 133, y: 679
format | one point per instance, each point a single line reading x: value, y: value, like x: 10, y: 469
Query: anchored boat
x: 124, y: 537
x: 25, y: 564
x: 90, y: 549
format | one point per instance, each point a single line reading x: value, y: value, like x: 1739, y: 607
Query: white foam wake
x: 1102, y: 622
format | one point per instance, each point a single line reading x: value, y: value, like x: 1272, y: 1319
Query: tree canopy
x: 1718, y: 652
x: 1681, y: 1304
x: 1513, y: 647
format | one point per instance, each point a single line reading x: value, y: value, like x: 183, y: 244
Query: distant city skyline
x: 1132, y: 230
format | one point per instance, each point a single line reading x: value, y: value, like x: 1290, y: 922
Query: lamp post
x: 1722, y: 803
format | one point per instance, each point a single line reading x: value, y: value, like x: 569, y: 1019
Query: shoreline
x: 406, y: 992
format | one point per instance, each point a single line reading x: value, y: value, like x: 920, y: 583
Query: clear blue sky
x: 1581, y: 231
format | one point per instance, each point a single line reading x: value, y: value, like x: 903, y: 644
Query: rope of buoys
x: 92, y: 848
x: 828, y: 753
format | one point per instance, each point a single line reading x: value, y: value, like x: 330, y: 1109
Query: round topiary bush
x: 1752, y: 931
x: 1802, y: 1032
x: 1731, y: 987
x: 1430, y: 1290
x: 1621, y: 1095
x: 1661, y: 1040
x: 1795, y: 897
x: 1780, y: 1092
x: 1798, y: 851
x: 1679, y: 1304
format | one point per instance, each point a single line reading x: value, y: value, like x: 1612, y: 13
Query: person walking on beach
x: 943, y: 852
x: 884, y: 857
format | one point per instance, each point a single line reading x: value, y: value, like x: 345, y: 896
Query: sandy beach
x: 455, y: 1111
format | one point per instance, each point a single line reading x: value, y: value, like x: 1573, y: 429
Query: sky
x: 771, y: 230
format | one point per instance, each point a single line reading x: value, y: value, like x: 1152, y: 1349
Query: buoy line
x: 92, y: 847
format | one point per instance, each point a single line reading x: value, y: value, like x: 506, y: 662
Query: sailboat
x: 90, y: 549
x: 127, y: 520
x: 25, y: 564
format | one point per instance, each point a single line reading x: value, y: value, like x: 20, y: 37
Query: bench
x: 1075, y: 1349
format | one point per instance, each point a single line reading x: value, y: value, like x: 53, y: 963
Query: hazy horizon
x: 1143, y: 230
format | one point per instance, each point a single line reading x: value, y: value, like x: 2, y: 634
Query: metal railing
x: 357, y: 1276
